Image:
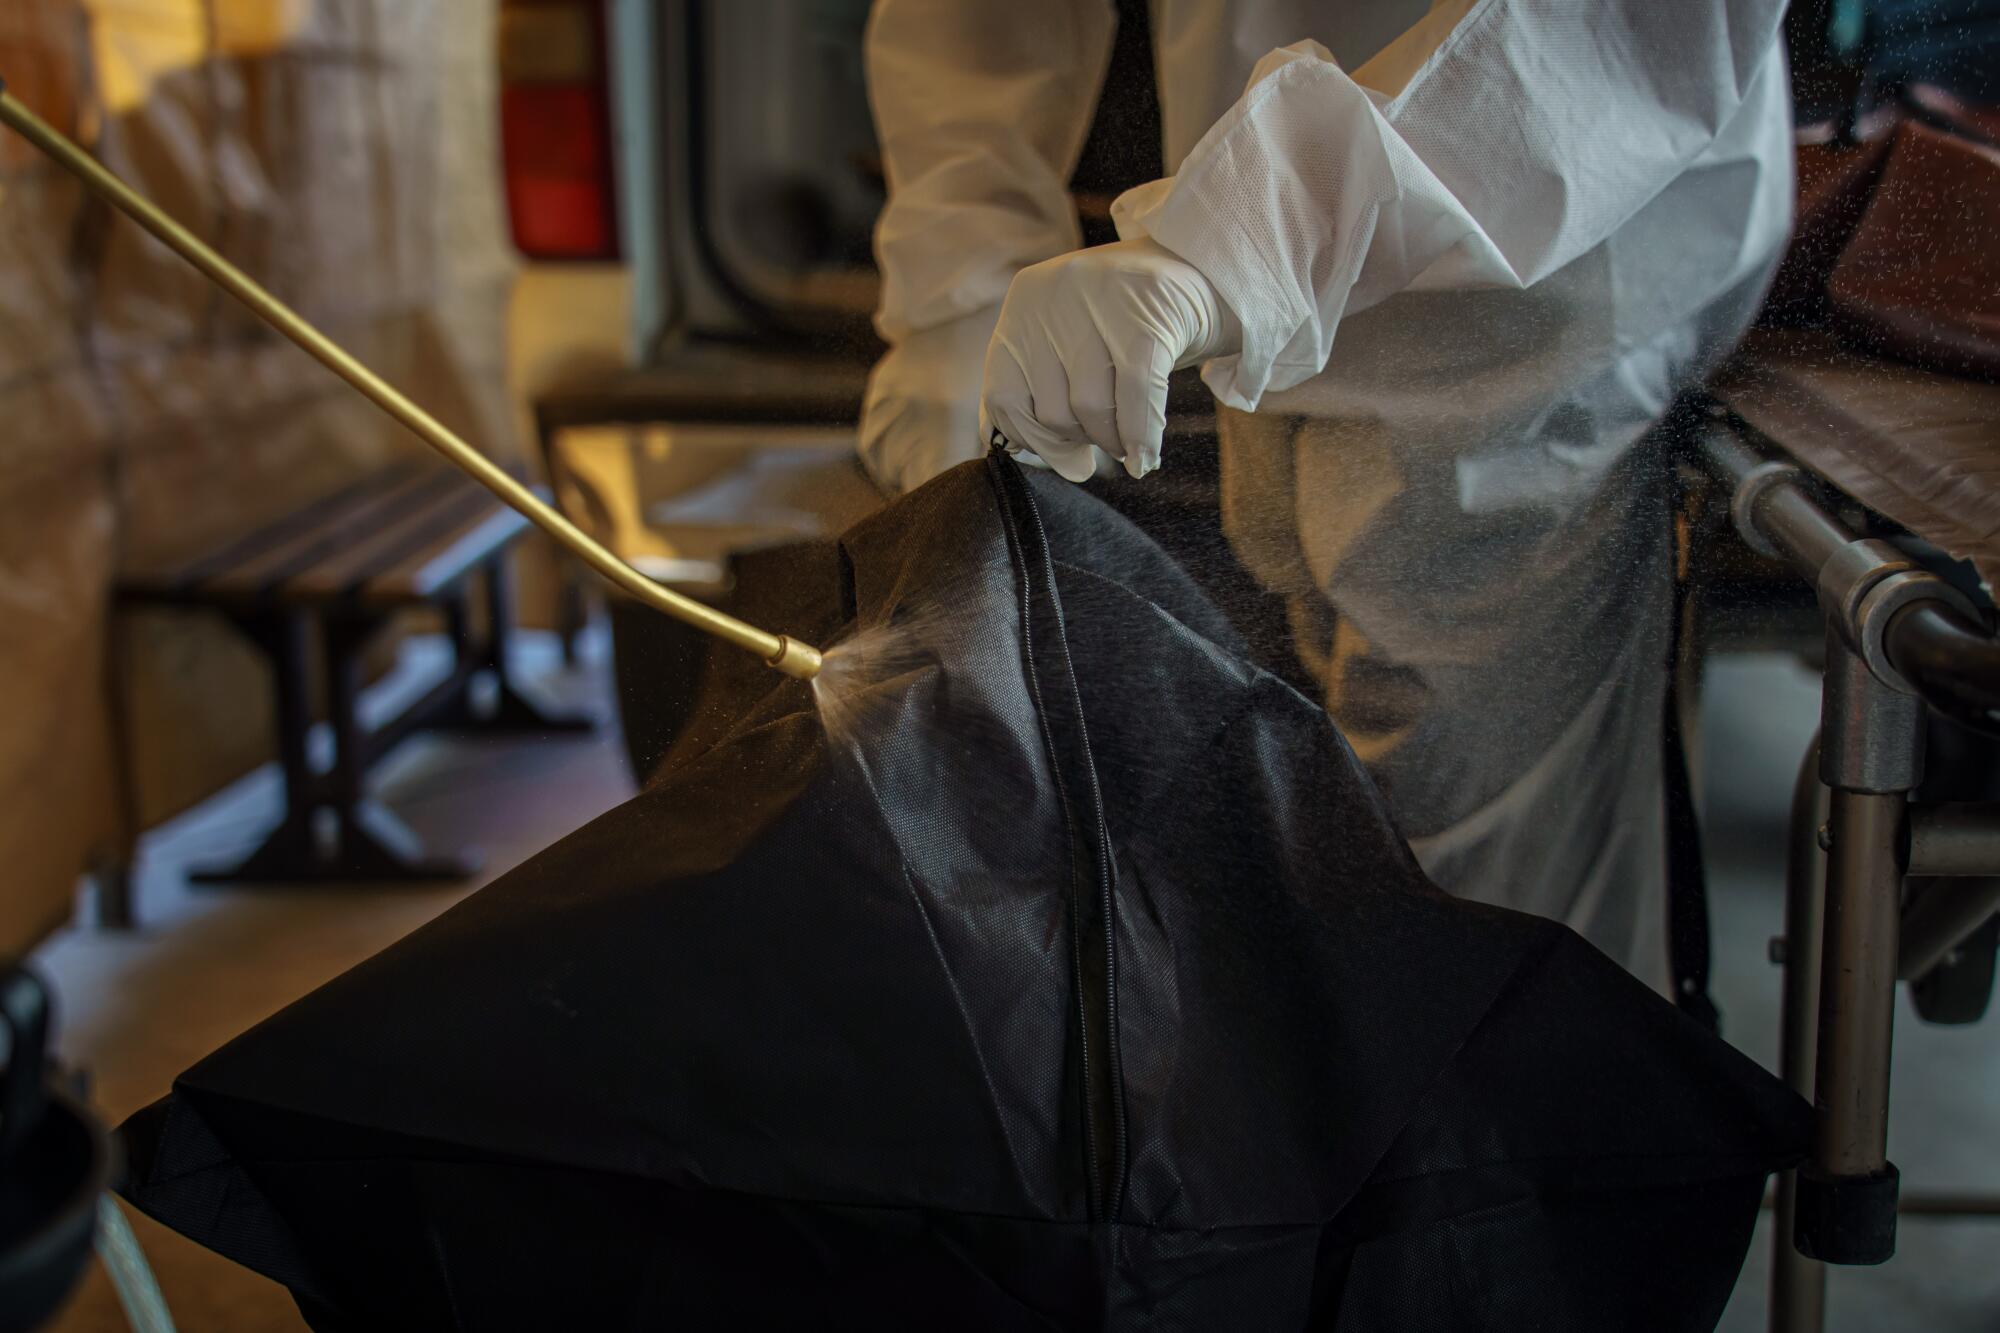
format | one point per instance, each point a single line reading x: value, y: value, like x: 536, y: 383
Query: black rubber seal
x: 1847, y: 1219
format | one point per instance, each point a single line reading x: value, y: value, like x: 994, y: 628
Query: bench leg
x: 285, y: 638
x: 356, y: 840
x: 511, y: 711
x: 111, y: 879
x: 370, y: 843
x: 572, y: 609
x: 112, y: 869
x: 572, y: 604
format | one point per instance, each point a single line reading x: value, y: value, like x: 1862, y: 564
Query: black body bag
x: 1078, y: 979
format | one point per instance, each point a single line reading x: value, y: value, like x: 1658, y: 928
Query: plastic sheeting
x: 342, y: 151
x: 888, y: 1013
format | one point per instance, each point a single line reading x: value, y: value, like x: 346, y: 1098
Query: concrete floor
x: 137, y: 1008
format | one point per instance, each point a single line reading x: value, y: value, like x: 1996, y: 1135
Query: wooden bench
x: 331, y: 577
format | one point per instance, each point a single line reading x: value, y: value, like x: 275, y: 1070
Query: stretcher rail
x: 1881, y: 887
x: 1912, y: 627
x: 1953, y: 663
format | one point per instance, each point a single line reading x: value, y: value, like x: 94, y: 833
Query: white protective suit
x: 1475, y: 251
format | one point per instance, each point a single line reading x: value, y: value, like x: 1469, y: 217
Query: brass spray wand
x: 786, y: 654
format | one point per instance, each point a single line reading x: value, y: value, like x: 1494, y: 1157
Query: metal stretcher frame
x: 1899, y: 640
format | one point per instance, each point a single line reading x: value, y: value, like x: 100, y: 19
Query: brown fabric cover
x: 343, y: 152
x: 1920, y: 278
x: 55, y: 500
x: 1878, y: 365
x: 1834, y: 185
x: 1894, y: 243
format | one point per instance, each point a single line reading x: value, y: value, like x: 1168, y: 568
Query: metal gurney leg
x: 1798, y: 1284
x: 1871, y: 757
x: 1900, y: 642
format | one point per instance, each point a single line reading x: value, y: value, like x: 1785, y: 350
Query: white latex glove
x: 1083, y: 349
x: 921, y: 414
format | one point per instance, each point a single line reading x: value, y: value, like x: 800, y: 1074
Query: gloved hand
x: 921, y: 413
x: 1083, y: 349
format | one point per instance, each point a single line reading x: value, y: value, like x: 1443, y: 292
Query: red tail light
x: 555, y: 129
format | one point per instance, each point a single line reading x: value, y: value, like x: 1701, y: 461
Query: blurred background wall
x: 342, y: 151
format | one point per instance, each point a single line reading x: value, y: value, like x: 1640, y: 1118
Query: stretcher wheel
x: 1956, y: 991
